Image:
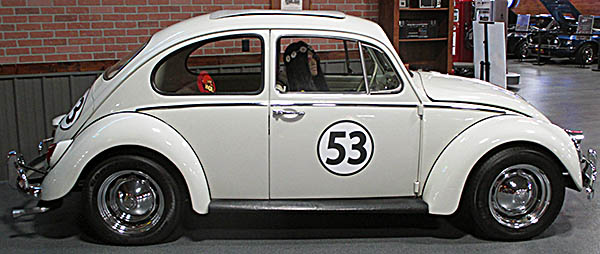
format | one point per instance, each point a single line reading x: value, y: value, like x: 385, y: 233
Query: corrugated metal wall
x: 28, y: 103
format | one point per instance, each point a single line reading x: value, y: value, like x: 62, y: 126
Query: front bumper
x: 552, y: 50
x: 589, y: 172
x: 27, y: 177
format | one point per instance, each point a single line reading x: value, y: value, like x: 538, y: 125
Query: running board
x: 384, y: 205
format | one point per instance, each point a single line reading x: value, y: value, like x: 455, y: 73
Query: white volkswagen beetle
x: 304, y: 111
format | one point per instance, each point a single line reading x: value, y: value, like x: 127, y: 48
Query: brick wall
x: 47, y: 31
x: 362, y: 8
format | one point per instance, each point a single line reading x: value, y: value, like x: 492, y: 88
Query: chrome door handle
x: 287, y: 112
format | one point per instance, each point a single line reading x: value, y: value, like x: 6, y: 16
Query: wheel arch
x: 594, y: 44
x: 568, y: 181
x: 134, y: 150
x: 135, y: 133
x: 446, y: 181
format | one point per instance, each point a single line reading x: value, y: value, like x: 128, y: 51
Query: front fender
x: 445, y: 183
x: 128, y: 129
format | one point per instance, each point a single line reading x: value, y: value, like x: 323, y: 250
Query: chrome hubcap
x: 523, y: 51
x: 588, y: 55
x: 130, y: 202
x: 519, y: 196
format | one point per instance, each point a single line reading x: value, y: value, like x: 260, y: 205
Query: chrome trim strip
x: 344, y: 105
x: 20, y: 212
x: 235, y: 13
x: 200, y: 105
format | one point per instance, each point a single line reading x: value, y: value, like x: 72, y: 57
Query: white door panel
x: 297, y: 171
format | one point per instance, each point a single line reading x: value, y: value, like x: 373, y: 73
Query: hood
x: 447, y: 88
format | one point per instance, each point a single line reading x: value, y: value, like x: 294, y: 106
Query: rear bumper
x: 26, y: 177
x: 589, y: 172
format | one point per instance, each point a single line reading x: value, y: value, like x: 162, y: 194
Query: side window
x: 380, y: 72
x: 228, y: 65
x: 313, y: 64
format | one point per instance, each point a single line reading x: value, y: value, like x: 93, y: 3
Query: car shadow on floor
x: 295, y: 225
x: 562, y: 62
x: 65, y: 222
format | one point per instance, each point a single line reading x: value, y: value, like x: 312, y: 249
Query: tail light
x: 50, y: 152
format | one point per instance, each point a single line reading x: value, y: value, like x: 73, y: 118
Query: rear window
x: 115, y: 68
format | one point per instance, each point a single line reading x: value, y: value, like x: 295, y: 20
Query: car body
x: 581, y: 48
x: 517, y: 42
x: 207, y: 116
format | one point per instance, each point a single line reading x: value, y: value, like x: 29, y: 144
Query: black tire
x: 498, y: 212
x: 133, y: 200
x: 521, y: 51
x: 585, y: 55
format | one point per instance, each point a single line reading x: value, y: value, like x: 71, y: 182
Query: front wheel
x: 514, y: 195
x: 521, y: 50
x: 132, y: 200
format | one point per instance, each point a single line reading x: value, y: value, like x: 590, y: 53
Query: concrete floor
x: 568, y: 95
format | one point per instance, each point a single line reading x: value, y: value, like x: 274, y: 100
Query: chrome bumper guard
x: 589, y: 172
x: 21, y: 172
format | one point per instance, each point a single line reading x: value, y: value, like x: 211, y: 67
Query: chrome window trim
x: 364, y: 69
x: 403, y: 81
x: 391, y: 91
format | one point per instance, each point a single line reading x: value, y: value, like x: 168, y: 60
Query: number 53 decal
x: 345, y: 148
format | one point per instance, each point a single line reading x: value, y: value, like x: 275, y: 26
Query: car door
x: 349, y: 136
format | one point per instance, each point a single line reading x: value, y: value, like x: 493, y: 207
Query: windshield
x: 115, y: 68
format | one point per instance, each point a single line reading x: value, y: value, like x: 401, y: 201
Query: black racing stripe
x: 200, y: 105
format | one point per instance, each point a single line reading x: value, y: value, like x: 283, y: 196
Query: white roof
x: 262, y: 19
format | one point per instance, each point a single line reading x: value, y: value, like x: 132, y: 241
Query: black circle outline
x: 80, y: 111
x: 370, y: 157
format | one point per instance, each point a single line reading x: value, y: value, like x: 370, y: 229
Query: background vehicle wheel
x: 131, y: 200
x: 514, y: 195
x: 585, y: 55
x: 521, y: 50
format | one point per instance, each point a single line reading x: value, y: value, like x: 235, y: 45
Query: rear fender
x: 123, y: 129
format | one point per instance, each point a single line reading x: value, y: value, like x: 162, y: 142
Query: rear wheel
x: 131, y: 199
x: 585, y: 55
x: 514, y: 195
